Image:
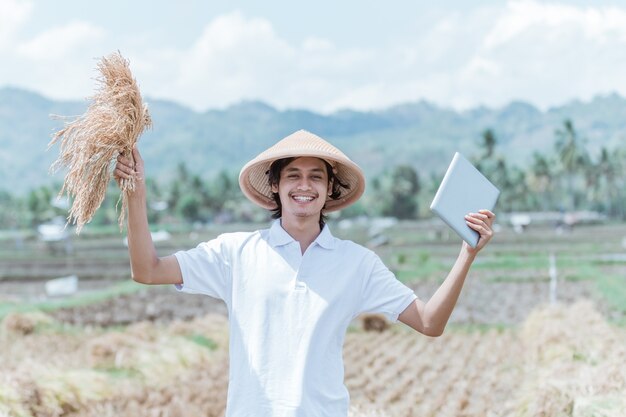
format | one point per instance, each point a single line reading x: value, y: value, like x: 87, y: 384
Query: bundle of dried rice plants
x: 158, y: 359
x: 10, y: 398
x: 574, y: 364
x: 90, y: 144
x: 23, y: 324
x: 59, y: 392
x: 212, y: 326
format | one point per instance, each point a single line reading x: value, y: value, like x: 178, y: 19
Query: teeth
x: 302, y: 198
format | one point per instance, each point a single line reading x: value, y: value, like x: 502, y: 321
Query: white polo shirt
x: 288, y: 315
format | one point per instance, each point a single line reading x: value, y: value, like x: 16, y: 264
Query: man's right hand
x: 146, y: 266
x: 125, y: 168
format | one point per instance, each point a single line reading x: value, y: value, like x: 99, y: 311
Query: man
x: 293, y: 289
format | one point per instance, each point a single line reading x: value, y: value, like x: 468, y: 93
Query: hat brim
x: 254, y: 182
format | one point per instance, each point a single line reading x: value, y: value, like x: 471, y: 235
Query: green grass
x: 120, y: 373
x: 586, y: 268
x: 429, y: 271
x: 613, y: 289
x: 203, y: 341
x: 582, y: 272
x: 125, y: 287
x: 517, y: 278
x: 511, y: 261
x: 415, y: 266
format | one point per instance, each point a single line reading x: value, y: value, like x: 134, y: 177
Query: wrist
x: 468, y: 253
x: 137, y: 196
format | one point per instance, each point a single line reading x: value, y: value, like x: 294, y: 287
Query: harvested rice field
x: 562, y: 361
x: 517, y: 344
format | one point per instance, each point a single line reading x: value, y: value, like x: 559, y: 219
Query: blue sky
x: 323, y: 55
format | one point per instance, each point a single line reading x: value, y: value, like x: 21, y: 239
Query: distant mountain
x: 420, y: 134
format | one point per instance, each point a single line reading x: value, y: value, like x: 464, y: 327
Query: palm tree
x: 573, y: 158
x: 609, y: 172
x: 488, y: 143
x: 540, y: 180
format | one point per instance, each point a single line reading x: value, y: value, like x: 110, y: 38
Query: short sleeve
x: 383, y: 293
x: 206, y: 269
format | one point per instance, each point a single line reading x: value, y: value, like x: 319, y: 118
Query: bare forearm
x: 146, y: 266
x: 438, y: 309
x: 143, y: 257
x: 431, y: 318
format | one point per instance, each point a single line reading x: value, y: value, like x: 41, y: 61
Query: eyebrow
x: 293, y: 169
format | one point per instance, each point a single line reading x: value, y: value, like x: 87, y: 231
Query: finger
x: 477, y: 222
x: 119, y: 173
x: 474, y: 218
x: 137, y: 156
x: 474, y: 226
x: 121, y: 160
x: 124, y: 168
x: 482, y: 230
x: 488, y: 213
x: 125, y: 158
x: 480, y: 216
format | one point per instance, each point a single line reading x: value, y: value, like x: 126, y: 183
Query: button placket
x: 303, y: 271
x: 296, y: 253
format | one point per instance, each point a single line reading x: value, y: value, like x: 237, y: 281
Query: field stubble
x: 563, y: 361
x: 106, y: 359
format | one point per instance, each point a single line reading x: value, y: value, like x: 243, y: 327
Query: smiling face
x: 303, y: 188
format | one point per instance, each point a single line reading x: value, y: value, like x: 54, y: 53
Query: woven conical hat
x: 253, y: 178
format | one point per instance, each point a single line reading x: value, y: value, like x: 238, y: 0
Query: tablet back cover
x: 463, y: 190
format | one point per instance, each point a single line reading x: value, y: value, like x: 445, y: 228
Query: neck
x: 305, y: 230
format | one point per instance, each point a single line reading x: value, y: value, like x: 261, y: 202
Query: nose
x: 304, y: 184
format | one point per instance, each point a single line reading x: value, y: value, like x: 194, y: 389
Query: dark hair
x: 273, y: 177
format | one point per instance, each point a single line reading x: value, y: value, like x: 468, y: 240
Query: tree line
x: 567, y: 178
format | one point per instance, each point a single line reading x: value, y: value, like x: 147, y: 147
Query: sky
x: 324, y: 55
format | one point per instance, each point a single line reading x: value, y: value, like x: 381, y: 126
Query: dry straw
x: 90, y: 144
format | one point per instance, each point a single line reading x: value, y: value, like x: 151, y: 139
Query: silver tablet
x: 463, y: 190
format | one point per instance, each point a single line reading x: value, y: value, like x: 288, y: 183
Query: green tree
x: 223, y: 188
x: 157, y: 205
x: 189, y: 208
x: 540, y: 182
x: 175, y: 194
x: 402, y: 190
x: 488, y: 143
x: 39, y: 205
x: 182, y: 172
x: 609, y: 180
x: 9, y: 215
x: 494, y: 166
x: 573, y: 160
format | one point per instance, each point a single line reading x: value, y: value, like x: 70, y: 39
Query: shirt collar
x: 325, y: 238
x: 280, y: 237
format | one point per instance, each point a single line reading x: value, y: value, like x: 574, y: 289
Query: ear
x: 330, y: 187
x: 274, y: 188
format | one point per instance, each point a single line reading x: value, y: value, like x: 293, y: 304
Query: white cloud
x: 58, y: 62
x: 542, y: 52
x: 13, y: 13
x: 60, y: 42
x: 548, y: 53
x: 229, y: 61
x: 555, y: 20
x: 237, y: 58
x: 314, y: 44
